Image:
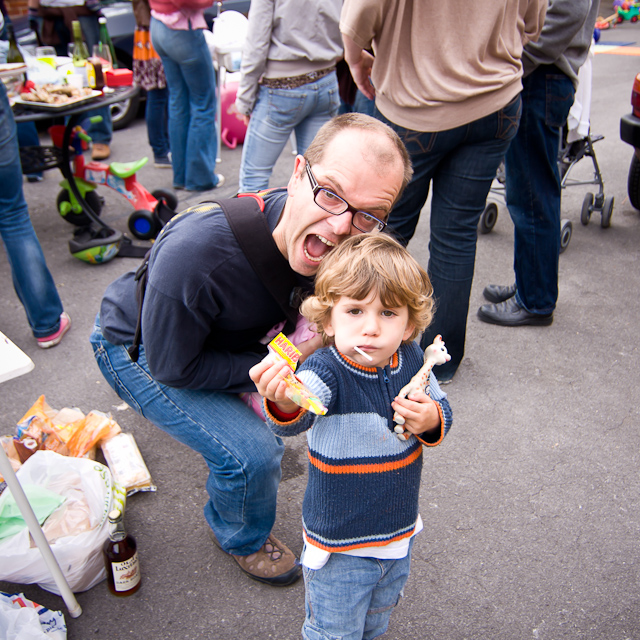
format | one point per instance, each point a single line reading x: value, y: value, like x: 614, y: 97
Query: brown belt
x: 296, y: 81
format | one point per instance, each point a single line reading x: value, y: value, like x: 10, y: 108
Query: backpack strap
x: 141, y: 287
x: 251, y: 230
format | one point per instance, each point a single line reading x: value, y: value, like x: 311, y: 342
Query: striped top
x: 363, y: 481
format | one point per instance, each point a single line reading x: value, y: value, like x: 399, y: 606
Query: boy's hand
x: 419, y: 411
x: 268, y: 378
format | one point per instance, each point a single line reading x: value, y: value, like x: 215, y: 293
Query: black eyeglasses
x: 334, y: 204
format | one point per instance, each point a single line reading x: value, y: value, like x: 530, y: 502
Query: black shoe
x: 510, y: 314
x: 498, y: 293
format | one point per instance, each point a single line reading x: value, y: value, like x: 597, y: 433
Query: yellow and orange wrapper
x: 283, y: 350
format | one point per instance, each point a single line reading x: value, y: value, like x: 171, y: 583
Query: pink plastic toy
x: 233, y: 127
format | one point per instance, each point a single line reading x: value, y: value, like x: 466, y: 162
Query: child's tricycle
x: 148, y: 216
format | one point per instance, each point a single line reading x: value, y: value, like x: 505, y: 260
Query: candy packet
x: 282, y: 350
x: 126, y: 463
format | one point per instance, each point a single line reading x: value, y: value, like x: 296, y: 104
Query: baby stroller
x: 569, y: 155
x: 226, y: 41
x: 577, y: 143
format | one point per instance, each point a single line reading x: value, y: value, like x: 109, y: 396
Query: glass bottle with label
x: 13, y: 54
x: 121, y: 558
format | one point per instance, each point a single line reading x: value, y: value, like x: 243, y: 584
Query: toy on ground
x: 435, y: 353
x: 150, y: 209
x: 604, y: 23
x: 627, y: 11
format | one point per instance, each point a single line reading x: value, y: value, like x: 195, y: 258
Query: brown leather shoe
x: 274, y: 563
x: 100, y: 151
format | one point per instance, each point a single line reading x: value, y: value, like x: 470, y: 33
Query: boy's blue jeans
x: 352, y: 598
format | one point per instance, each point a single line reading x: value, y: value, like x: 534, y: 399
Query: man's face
x: 306, y: 233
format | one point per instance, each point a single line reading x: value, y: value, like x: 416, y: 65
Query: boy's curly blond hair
x: 366, y: 264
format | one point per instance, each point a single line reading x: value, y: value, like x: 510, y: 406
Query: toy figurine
x: 435, y: 353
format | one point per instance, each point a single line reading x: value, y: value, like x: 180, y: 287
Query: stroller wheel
x: 607, y: 210
x: 489, y: 218
x: 566, y: 229
x: 587, y: 203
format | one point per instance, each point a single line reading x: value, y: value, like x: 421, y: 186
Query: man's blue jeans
x: 352, y: 598
x: 192, y: 106
x: 31, y: 277
x: 533, y: 187
x: 157, y: 117
x: 276, y: 114
x: 242, y: 453
x: 461, y: 163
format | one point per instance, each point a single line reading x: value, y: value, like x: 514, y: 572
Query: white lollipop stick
x: 362, y: 353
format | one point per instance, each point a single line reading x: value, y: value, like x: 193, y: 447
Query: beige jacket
x: 439, y: 65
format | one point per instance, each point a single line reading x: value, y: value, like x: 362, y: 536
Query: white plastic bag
x: 22, y: 619
x: 88, y: 487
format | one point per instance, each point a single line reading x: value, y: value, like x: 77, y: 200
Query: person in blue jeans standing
x: 32, y: 279
x: 288, y: 83
x: 178, y: 38
x: 148, y: 73
x: 532, y: 176
x: 449, y: 84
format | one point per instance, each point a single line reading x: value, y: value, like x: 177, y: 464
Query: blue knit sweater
x: 363, y: 481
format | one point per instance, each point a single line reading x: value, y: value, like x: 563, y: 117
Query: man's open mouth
x: 317, y: 247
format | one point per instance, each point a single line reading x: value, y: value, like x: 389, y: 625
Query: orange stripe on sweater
x: 365, y: 468
x: 362, y: 367
x: 379, y: 543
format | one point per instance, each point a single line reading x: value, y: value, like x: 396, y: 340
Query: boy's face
x: 369, y: 325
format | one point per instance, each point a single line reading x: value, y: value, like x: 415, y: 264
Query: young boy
x: 360, y: 510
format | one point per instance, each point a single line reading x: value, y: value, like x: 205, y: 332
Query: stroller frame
x: 569, y: 155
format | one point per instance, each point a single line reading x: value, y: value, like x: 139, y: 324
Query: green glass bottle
x: 105, y: 41
x: 13, y: 54
x: 80, y: 53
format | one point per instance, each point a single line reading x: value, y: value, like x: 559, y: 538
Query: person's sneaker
x: 34, y: 177
x: 220, y: 180
x: 162, y: 163
x: 55, y: 338
x: 274, y: 563
x: 100, y: 151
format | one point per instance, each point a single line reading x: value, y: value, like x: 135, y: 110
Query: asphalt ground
x: 531, y: 502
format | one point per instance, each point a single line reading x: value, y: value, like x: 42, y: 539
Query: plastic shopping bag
x: 76, y: 530
x: 22, y: 619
